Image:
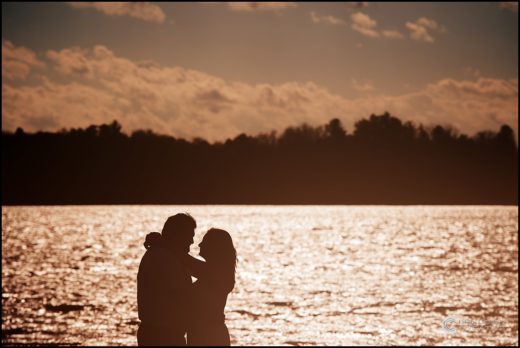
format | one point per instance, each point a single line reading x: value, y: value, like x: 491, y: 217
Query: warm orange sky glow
x: 216, y: 70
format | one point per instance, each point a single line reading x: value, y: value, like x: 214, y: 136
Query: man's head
x: 178, y: 232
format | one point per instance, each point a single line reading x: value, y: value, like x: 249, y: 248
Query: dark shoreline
x: 383, y: 162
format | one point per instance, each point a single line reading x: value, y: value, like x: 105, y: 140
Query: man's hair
x: 178, y: 223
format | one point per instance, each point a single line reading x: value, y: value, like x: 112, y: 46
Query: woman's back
x: 207, y: 325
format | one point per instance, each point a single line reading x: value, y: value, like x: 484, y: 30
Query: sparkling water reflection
x: 307, y: 275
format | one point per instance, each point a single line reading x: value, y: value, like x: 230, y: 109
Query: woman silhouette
x: 215, y: 280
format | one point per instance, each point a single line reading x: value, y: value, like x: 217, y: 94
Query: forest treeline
x: 382, y: 161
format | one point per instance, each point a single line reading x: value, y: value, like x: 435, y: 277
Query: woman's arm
x: 196, y: 267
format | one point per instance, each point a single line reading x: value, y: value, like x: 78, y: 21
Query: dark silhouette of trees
x: 383, y: 161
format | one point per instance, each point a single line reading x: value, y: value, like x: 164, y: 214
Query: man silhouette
x: 163, y: 284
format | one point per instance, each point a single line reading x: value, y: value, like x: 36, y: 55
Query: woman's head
x: 152, y: 239
x: 218, y: 251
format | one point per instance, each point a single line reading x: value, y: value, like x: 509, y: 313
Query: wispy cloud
x: 145, y: 11
x: 431, y: 24
x: 326, y: 19
x: 422, y: 29
x: 509, y: 5
x: 96, y: 86
x: 392, y: 34
x: 261, y: 6
x: 473, y: 72
x: 363, y: 24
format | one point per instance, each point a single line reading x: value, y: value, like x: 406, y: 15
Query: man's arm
x: 196, y: 267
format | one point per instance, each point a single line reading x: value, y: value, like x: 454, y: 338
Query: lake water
x: 307, y: 275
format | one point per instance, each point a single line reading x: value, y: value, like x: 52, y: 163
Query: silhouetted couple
x: 169, y: 305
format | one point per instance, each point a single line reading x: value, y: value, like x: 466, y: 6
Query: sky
x: 215, y: 70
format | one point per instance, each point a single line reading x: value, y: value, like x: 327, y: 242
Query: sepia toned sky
x: 215, y: 70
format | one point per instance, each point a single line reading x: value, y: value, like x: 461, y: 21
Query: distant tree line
x: 384, y: 161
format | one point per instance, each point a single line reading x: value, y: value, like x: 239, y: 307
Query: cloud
x: 213, y: 100
x: 145, y: 11
x: 260, y: 6
x: 358, y: 5
x: 70, y: 61
x: 419, y: 33
x: 483, y: 87
x: 78, y: 87
x: 511, y: 6
x: 471, y: 106
x: 17, y: 62
x: 431, y: 24
x: 421, y: 30
x: 363, y: 24
x: 362, y: 86
x: 392, y: 34
x: 326, y: 19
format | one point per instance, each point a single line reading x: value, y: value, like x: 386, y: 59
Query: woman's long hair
x: 223, y: 256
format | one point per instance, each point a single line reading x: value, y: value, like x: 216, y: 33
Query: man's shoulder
x: 154, y: 256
